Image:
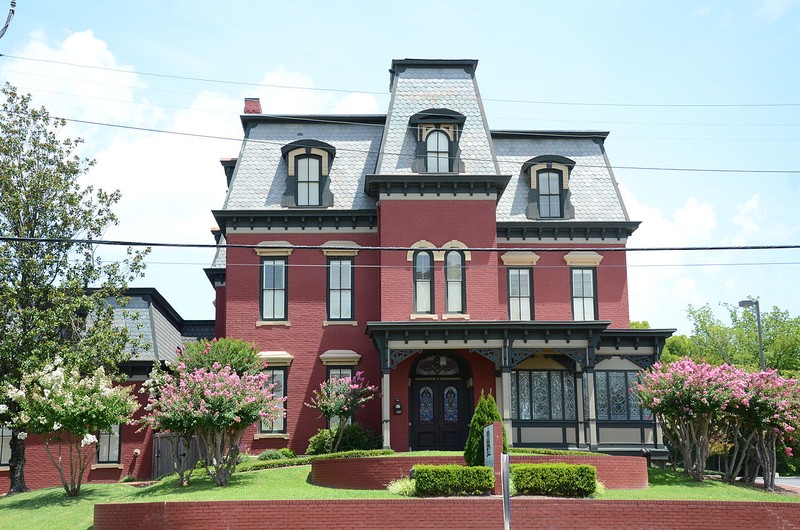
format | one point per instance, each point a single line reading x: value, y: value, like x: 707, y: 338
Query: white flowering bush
x: 66, y: 410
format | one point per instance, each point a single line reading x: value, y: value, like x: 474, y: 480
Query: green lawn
x: 667, y: 485
x: 49, y: 508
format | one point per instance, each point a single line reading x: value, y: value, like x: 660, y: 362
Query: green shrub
x: 287, y: 453
x: 403, y: 486
x: 562, y: 480
x: 355, y: 437
x: 240, y: 355
x: 453, y: 480
x: 255, y: 465
x: 356, y: 453
x: 485, y: 414
x: 271, y: 454
x: 538, y: 451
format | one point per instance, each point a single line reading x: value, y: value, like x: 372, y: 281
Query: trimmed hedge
x: 562, y: 480
x: 355, y: 437
x: 357, y: 453
x: 453, y: 480
x: 538, y: 451
x: 255, y: 465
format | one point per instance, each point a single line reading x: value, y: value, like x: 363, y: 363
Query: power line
x: 518, y: 101
x: 237, y: 100
x: 109, y: 242
x: 379, y: 152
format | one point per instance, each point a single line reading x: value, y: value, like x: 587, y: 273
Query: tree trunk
x: 16, y: 462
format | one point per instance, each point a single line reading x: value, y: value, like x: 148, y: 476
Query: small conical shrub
x: 485, y: 414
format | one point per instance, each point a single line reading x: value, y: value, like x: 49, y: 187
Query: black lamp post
x: 762, y: 363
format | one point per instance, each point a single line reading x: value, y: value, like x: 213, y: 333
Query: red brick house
x: 441, y: 258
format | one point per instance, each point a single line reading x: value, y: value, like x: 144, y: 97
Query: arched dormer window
x: 423, y: 282
x: 308, y: 164
x: 438, y: 132
x: 549, y: 196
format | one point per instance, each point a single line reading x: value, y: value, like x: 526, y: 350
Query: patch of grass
x: 49, y: 508
x: 667, y: 485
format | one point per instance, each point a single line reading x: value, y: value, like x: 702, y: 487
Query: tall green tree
x: 54, y: 288
x: 714, y: 341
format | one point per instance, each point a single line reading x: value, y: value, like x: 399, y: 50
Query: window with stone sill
x: 5, y: 445
x: 423, y: 282
x: 108, y: 445
x: 277, y: 376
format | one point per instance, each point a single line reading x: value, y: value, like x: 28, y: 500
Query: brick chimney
x: 252, y: 106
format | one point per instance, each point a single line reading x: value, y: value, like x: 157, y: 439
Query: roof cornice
x: 506, y: 134
x: 295, y: 218
x: 566, y: 230
x: 447, y: 184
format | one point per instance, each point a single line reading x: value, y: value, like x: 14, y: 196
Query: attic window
x: 308, y: 165
x: 550, y: 196
x: 438, y: 132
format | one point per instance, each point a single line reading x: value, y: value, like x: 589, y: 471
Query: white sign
x: 488, y: 447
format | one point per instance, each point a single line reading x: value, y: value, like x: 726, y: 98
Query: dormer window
x: 438, y: 132
x: 548, y: 182
x: 550, y: 196
x: 308, y: 164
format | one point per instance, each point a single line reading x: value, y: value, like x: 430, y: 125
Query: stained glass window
x: 450, y: 405
x: 615, y: 400
x: 542, y: 395
x: 426, y: 405
x: 437, y: 365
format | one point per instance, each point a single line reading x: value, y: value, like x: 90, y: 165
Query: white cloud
x: 660, y: 286
x: 701, y: 11
x: 169, y: 182
x: 774, y: 9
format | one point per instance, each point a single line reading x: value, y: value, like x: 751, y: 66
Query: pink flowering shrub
x: 217, y: 405
x: 698, y: 404
x: 340, y: 398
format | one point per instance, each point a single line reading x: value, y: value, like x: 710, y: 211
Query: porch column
x: 386, y: 411
x: 579, y: 408
x: 505, y: 387
x: 592, y: 416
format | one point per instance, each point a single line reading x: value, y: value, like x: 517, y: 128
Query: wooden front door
x: 438, y: 420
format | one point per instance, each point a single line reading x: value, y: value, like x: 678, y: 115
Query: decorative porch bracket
x: 398, y: 356
x: 492, y: 354
x: 517, y: 356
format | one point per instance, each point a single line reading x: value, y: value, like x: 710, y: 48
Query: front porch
x: 558, y: 385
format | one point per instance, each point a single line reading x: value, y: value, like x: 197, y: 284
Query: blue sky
x: 543, y: 65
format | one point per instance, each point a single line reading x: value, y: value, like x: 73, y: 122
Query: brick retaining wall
x: 463, y: 513
x: 615, y: 472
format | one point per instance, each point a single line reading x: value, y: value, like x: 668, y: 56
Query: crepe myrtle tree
x: 217, y: 404
x: 54, y: 289
x: 338, y: 400
x: 67, y: 410
x: 749, y: 412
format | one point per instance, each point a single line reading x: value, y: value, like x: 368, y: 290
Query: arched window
x: 454, y: 282
x: 423, y: 281
x: 308, y: 180
x: 438, y: 152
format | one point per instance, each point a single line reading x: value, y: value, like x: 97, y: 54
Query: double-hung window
x: 308, y: 180
x: 520, y: 294
x: 273, y: 289
x: 549, y: 186
x: 5, y: 445
x: 339, y: 372
x: 454, y: 281
x: 584, y: 294
x: 340, y: 288
x: 423, y: 281
x: 108, y: 443
x: 277, y: 377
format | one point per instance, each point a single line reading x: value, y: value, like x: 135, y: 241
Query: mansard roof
x: 386, y: 145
